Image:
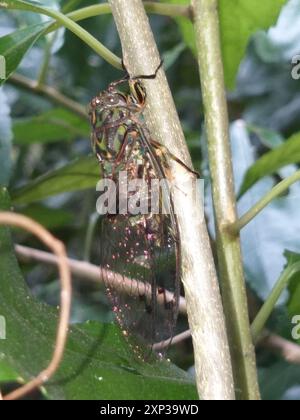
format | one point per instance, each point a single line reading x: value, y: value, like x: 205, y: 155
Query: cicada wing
x: 138, y: 265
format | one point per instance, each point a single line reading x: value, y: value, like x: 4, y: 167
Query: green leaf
x: 7, y: 374
x: 28, y: 5
x: 239, y: 20
x: 268, y: 138
x: 51, y: 126
x: 14, y: 46
x: 294, y: 286
x: 269, y: 163
x: 81, y: 174
x: 50, y: 218
x: 35, y: 6
x: 5, y: 140
x: 98, y: 362
x: 277, y: 379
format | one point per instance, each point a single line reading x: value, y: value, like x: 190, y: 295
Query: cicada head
x: 109, y: 104
x: 108, y: 99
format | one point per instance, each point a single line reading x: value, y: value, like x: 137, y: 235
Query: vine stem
x: 279, y: 189
x: 207, y: 29
x: 206, y: 319
x: 58, y: 248
x: 266, y: 310
x: 68, y: 23
x: 171, y: 10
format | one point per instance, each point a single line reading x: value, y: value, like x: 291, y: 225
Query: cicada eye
x: 138, y: 91
x: 95, y: 101
x: 112, y: 100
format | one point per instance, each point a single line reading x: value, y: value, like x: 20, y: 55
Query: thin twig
x: 175, y: 340
x: 220, y: 160
x: 48, y: 91
x: 171, y: 10
x: 286, y: 349
x: 58, y: 248
x: 269, y: 305
x: 90, y: 272
x: 278, y: 190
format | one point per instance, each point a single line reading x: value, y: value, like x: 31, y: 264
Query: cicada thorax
x: 115, y: 133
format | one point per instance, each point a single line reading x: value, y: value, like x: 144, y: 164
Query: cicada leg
x: 94, y: 147
x: 163, y: 150
x: 121, y: 154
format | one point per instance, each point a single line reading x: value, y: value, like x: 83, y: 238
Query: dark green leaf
x: 278, y: 379
x: 51, y: 126
x: 81, y: 174
x: 291, y: 257
x: 98, y: 363
x: 7, y: 374
x: 271, y: 162
x: 29, y: 5
x: 49, y: 217
x: 294, y: 285
x: 14, y: 46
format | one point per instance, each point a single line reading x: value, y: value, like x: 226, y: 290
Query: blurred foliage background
x: 42, y: 138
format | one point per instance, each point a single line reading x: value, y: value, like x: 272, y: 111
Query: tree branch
x: 229, y: 252
x: 212, y: 360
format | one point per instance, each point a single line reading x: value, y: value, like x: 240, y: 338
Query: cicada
x: 140, y: 255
